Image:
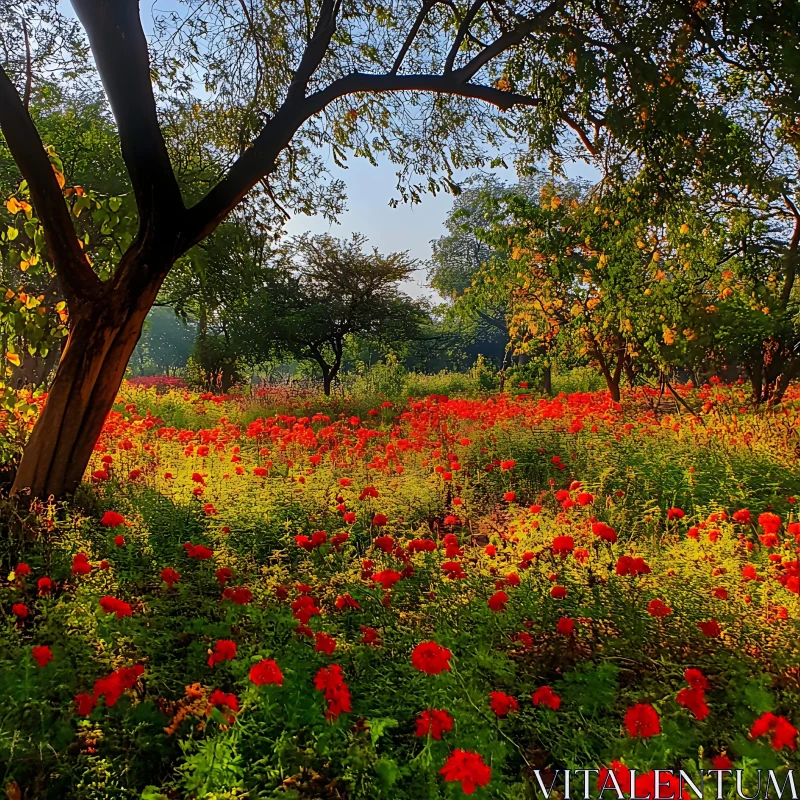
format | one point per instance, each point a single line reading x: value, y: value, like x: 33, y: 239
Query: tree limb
x: 26, y: 99
x: 427, y: 5
x: 259, y: 160
x: 506, y: 41
x: 120, y: 51
x: 463, y: 28
x: 75, y: 275
x: 315, y: 50
x: 791, y: 254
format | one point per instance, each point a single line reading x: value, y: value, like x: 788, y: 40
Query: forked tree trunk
x: 92, y: 365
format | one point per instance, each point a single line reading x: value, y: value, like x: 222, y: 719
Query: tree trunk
x: 547, y: 380
x: 612, y: 379
x: 100, y: 342
x: 327, y: 380
x: 790, y: 372
x: 757, y: 379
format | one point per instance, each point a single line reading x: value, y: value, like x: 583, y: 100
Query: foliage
x: 320, y: 291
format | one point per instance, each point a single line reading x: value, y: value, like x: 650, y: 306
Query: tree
x: 330, y: 72
x: 320, y: 292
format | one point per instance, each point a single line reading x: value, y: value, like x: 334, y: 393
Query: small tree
x: 321, y: 291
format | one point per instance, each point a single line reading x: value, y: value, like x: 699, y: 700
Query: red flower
x: 619, y: 774
x: 240, y: 595
x: 563, y: 545
x: 337, y: 695
x: 605, y: 532
x: 630, y: 565
x: 266, y: 671
x: 642, y: 720
x: 453, y: 570
x: 369, y: 635
x: 85, y: 703
x: 695, y: 678
x: 676, y: 513
x: 19, y: 610
x: 434, y: 722
x: 502, y: 704
x: 22, y: 570
x: 545, y: 696
x: 467, y: 767
x: 224, y: 650
x: 695, y: 700
x: 80, y: 564
x: 198, y: 551
x: 42, y: 654
x: 784, y: 734
x: 350, y: 517
x: 111, y: 519
x: 565, y: 626
x: 387, y: 578
x: 385, y: 543
x: 119, y: 541
x: 112, y: 605
x: 742, y: 516
x: 769, y: 522
x: 509, y: 497
x: 45, y: 586
x: 431, y: 658
x: 722, y: 761
x: 346, y: 601
x: 221, y: 700
x: 323, y: 643
x: 497, y: 602
x: 379, y: 520
x: 658, y: 608
x: 558, y: 592
x: 223, y: 574
x: 112, y: 686
x: 710, y: 628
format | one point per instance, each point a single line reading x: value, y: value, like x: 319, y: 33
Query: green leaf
x: 379, y: 726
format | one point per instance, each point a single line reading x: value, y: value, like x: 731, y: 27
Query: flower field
x: 291, y: 596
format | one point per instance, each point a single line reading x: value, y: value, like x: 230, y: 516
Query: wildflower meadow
x: 274, y: 595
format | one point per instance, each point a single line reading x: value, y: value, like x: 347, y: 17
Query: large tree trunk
x: 101, y: 341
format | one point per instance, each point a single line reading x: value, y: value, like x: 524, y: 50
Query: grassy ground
x: 573, y: 559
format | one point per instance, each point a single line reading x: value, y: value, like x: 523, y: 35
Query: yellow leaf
x: 684, y: 228
x: 669, y: 336
x: 13, y: 358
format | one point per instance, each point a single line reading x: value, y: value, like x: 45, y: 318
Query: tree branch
x: 315, y: 50
x: 120, y: 51
x: 791, y: 254
x: 75, y: 275
x: 259, y: 160
x: 427, y: 5
x: 463, y: 28
x: 506, y: 41
x: 26, y: 99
